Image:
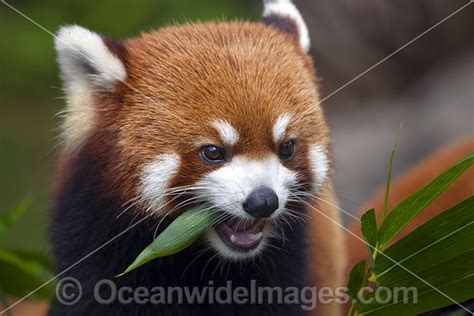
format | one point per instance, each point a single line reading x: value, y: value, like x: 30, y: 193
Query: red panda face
x: 221, y: 114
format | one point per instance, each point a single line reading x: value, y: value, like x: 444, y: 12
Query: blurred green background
x: 30, y: 90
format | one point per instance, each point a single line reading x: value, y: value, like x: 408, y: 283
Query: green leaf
x: 31, y: 255
x: 445, y: 284
x: 369, y: 230
x: 180, y: 234
x: 389, y: 176
x: 8, y: 219
x: 406, y: 210
x: 19, y: 276
x: 437, y: 259
x: 356, y: 279
x: 438, y: 274
x: 442, y: 237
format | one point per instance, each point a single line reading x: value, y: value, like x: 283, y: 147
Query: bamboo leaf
x: 443, y: 272
x: 180, y: 234
x: 442, y: 237
x: 406, y: 210
x: 445, y: 284
x: 369, y: 230
x: 389, y: 176
x: 436, y: 259
x: 19, y: 276
x: 8, y: 219
x: 356, y: 279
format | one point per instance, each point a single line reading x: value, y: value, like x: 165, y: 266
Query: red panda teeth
x: 240, y: 235
x: 245, y: 226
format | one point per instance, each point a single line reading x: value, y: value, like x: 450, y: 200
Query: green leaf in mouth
x: 180, y: 234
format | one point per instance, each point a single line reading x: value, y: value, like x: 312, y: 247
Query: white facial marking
x: 287, y: 9
x: 226, y: 131
x: 155, y: 179
x: 81, y: 52
x: 228, y: 187
x: 279, y: 128
x: 319, y: 164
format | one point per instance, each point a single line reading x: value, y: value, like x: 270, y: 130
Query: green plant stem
x: 374, y: 258
x: 365, y: 279
x: 389, y: 177
x: 351, y: 311
x: 376, y: 251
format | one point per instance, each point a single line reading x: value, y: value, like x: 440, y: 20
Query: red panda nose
x: 261, y: 203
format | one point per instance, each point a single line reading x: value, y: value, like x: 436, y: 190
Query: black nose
x: 261, y: 202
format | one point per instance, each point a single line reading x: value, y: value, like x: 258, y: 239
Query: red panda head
x: 224, y: 114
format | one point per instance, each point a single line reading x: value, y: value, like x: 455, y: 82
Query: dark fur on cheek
x: 85, y: 219
x: 300, y: 163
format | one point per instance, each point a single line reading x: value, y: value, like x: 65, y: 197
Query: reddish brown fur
x: 324, y: 233
x: 326, y: 248
x: 181, y: 78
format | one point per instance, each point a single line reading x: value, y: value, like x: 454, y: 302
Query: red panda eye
x: 287, y: 150
x: 212, y: 153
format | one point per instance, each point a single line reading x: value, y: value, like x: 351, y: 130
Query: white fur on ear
x: 83, y: 55
x: 285, y: 11
x: 86, y: 65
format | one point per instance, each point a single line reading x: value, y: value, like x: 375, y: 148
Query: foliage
x: 22, y: 271
x: 180, y: 234
x: 437, y: 258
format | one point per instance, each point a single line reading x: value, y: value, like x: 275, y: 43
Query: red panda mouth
x: 241, y: 235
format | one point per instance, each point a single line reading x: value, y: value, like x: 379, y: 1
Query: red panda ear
x: 283, y: 15
x: 88, y: 63
x: 88, y: 57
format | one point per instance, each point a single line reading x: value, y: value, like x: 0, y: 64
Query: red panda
x: 225, y: 114
x: 409, y: 182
